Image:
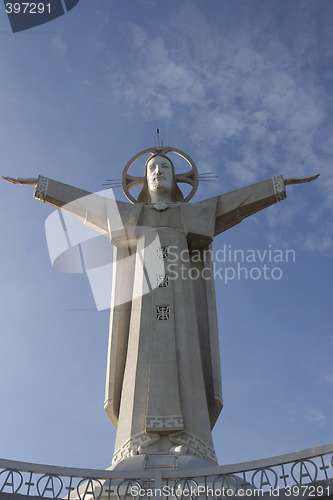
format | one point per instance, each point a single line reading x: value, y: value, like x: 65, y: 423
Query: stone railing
x: 304, y: 474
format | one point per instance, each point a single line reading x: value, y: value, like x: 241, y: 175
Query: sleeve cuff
x: 279, y: 188
x: 41, y: 188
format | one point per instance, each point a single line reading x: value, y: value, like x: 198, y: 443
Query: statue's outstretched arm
x: 88, y: 207
x: 29, y: 181
x: 235, y: 206
x: 299, y: 180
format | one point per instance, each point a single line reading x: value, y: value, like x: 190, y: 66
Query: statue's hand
x: 30, y: 181
x: 300, y: 180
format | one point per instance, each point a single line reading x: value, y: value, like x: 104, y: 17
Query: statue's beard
x: 159, y: 184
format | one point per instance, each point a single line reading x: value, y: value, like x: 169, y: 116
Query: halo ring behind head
x: 191, y: 177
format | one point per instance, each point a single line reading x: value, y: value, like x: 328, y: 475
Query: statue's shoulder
x: 208, y: 204
x: 124, y: 209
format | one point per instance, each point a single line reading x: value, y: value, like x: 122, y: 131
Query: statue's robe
x: 163, y: 385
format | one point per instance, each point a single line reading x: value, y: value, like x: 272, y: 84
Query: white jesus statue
x: 163, y: 385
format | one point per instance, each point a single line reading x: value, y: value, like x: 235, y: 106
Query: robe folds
x: 163, y: 384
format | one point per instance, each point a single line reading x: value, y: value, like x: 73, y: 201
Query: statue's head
x: 160, y: 181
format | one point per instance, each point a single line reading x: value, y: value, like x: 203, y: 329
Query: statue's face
x: 159, y: 174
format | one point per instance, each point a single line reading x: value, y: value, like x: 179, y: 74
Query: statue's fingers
x: 9, y: 179
x: 313, y: 178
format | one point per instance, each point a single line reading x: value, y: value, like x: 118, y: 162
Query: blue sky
x: 245, y: 88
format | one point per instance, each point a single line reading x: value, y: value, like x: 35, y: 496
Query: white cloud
x: 297, y: 413
x: 223, y: 93
x: 59, y: 45
x: 233, y: 91
x: 316, y: 416
x: 328, y: 377
x: 137, y: 34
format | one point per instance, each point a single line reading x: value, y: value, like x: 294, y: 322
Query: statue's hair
x: 176, y: 194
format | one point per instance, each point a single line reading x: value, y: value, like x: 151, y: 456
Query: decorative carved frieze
x: 195, y: 446
x: 130, y: 448
x: 170, y: 423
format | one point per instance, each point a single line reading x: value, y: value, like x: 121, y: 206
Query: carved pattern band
x: 160, y: 423
x: 279, y: 188
x: 130, y: 447
x: 195, y: 445
x: 41, y: 188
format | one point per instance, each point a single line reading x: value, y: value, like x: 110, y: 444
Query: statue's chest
x: 171, y: 217
x: 195, y: 222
